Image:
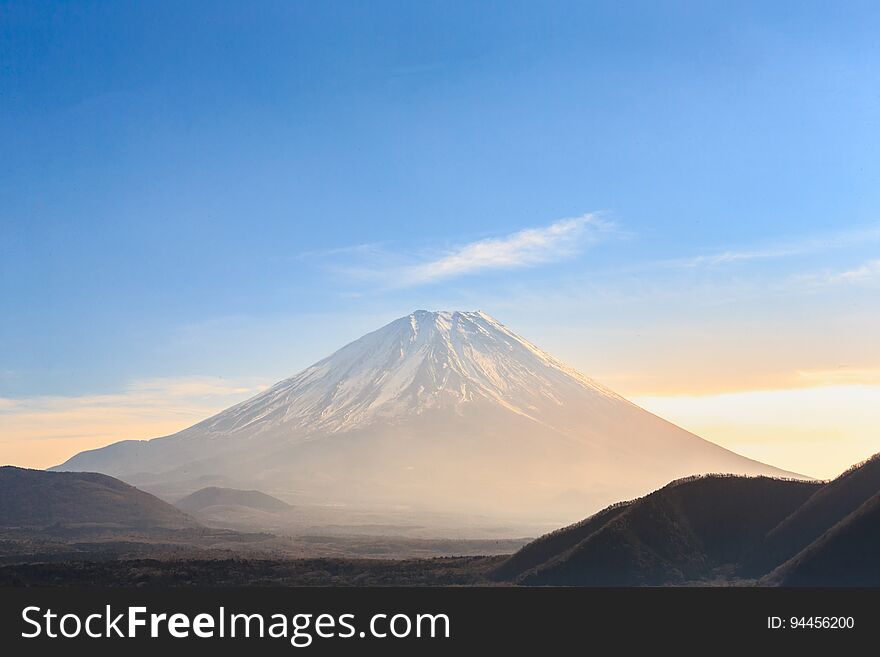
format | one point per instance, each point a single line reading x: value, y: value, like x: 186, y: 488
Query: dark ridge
x: 38, y: 499
x: 845, y: 555
x: 692, y: 529
x: 546, y: 547
x: 828, y: 506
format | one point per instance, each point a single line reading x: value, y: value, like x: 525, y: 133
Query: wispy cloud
x: 804, y: 246
x: 725, y: 257
x: 381, y: 264
x: 868, y: 272
x: 365, y: 249
x: 532, y: 246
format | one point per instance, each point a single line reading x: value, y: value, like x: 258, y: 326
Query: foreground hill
x: 845, y: 555
x: 689, y: 530
x: 443, y: 412
x: 35, y: 499
x: 556, y: 543
x: 829, y: 505
x: 215, y: 496
x: 719, y: 530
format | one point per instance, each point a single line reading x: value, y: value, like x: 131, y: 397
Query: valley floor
x: 441, y: 571
x: 59, y: 544
x: 448, y: 571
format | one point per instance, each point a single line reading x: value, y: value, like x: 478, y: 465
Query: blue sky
x: 675, y: 197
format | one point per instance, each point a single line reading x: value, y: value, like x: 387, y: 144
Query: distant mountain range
x: 79, y: 518
x: 35, y: 499
x: 437, y: 412
x: 719, y: 529
x: 211, y: 496
x: 704, y: 531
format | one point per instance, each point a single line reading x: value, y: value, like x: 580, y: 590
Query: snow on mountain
x: 448, y: 411
x: 423, y: 361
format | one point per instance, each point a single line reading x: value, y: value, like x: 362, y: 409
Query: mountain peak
x: 425, y: 360
x: 444, y: 319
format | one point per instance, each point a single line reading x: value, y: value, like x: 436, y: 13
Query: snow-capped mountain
x: 448, y: 411
x: 439, y: 360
